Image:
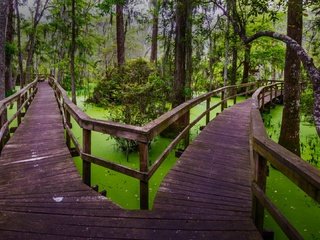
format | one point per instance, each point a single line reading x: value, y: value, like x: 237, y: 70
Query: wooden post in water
x: 208, y: 113
x: 86, y: 166
x: 144, y: 184
x: 261, y: 170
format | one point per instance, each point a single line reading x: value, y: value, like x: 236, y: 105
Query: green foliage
x: 10, y: 48
x: 10, y: 92
x: 135, y: 93
x: 307, y: 101
x: 106, y: 5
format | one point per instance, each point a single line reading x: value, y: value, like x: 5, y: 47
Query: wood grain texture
x: 207, y: 195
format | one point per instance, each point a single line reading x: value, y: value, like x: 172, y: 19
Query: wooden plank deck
x: 205, y: 196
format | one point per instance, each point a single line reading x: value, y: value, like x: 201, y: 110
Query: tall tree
x: 179, y: 83
x: 9, y: 48
x: 188, y: 47
x: 72, y: 51
x: 120, y: 34
x: 18, y: 31
x: 3, y: 26
x: 155, y: 29
x: 290, y: 128
x: 38, y: 13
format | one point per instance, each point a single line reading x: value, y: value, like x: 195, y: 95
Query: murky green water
x: 302, y: 212
x: 122, y: 189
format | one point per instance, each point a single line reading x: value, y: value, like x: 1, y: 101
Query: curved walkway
x: 205, y: 196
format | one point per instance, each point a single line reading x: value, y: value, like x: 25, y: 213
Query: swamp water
x: 301, y: 211
x: 121, y: 189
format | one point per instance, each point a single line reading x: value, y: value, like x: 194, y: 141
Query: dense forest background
x: 118, y: 52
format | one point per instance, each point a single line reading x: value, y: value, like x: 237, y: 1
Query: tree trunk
x: 179, y: 83
x: 166, y: 65
x: 72, y: 53
x: 290, y: 128
x: 226, y: 54
x: 21, y: 77
x: 32, y: 37
x: 9, y: 40
x: 233, y: 79
x: 212, y: 51
x: 155, y: 29
x: 188, y: 46
x: 120, y: 35
x: 246, y: 64
x: 180, y: 53
x: 30, y: 45
x: 3, y: 27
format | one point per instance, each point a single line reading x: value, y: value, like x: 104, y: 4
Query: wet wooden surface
x: 205, y: 196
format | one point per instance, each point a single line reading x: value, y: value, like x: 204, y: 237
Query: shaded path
x: 206, y: 195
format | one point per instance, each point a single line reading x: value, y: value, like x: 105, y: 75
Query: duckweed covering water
x: 122, y: 189
x: 302, y: 211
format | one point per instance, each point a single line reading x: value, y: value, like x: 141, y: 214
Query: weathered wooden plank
x: 51, y: 201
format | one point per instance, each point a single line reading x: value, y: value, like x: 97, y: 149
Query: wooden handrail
x: 23, y: 98
x: 265, y: 150
x: 143, y: 135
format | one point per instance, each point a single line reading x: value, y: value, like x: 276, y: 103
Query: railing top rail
x: 13, y: 97
x: 144, y: 133
x: 299, y: 171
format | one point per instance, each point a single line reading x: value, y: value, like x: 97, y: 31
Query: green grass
x: 302, y: 211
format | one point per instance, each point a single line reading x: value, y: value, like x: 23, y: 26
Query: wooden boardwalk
x: 205, y: 196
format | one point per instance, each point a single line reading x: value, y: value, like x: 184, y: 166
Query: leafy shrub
x: 307, y: 101
x: 134, y: 93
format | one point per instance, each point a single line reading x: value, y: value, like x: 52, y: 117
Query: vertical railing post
x: 2, y: 121
x: 187, y: 122
x: 234, y: 90
x: 144, y: 184
x: 27, y: 99
x: 246, y: 92
x: 68, y: 123
x: 18, y: 111
x: 86, y: 148
x: 6, y: 134
x: 261, y: 172
x: 262, y: 99
x: 208, y: 113
x: 222, y: 99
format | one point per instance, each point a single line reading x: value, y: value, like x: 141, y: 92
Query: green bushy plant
x: 307, y: 101
x: 134, y: 93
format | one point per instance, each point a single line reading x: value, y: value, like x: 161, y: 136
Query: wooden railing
x: 142, y: 135
x: 265, y: 150
x: 23, y: 99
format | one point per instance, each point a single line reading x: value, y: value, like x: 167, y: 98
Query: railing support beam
x: 261, y: 170
x: 144, y: 184
x: 86, y: 166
